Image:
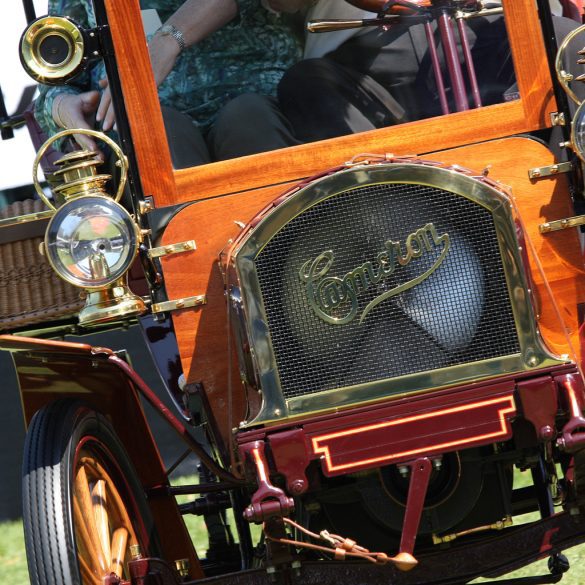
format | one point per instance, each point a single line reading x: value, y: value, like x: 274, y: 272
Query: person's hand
x: 77, y: 111
x: 105, y: 111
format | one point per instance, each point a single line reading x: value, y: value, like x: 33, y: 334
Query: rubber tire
x: 49, y: 458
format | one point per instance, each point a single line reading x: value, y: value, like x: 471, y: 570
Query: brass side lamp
x: 91, y: 240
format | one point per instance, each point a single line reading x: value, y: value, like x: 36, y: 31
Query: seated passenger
x: 378, y: 78
x: 217, y: 64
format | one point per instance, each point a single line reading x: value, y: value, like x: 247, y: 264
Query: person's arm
x: 195, y: 20
x: 72, y: 105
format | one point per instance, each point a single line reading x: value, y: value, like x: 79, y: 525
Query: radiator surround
x: 259, y: 363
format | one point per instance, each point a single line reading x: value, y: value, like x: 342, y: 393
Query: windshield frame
x: 169, y: 186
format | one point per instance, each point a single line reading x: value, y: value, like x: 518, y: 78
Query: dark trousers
x: 248, y: 124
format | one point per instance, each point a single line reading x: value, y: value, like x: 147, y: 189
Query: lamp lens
x: 91, y: 241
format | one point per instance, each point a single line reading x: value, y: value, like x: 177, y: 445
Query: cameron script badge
x: 335, y: 299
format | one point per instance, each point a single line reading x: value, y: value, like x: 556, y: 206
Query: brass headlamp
x: 91, y: 240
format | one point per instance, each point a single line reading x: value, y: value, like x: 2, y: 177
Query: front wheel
x: 83, y: 506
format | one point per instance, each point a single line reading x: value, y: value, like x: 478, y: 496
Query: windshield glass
x: 258, y: 81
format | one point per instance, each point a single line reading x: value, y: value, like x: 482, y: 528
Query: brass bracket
x: 561, y: 224
x: 185, y: 303
x: 188, y: 246
x: 146, y: 205
x: 558, y: 119
x: 541, y: 172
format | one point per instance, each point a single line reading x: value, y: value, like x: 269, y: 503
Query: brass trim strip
x: 541, y: 172
x: 478, y: 13
x: 187, y: 246
x: 177, y: 304
x: 20, y: 219
x: 561, y: 224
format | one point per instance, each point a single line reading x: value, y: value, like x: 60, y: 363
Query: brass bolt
x: 182, y: 566
x: 145, y: 206
x: 135, y: 552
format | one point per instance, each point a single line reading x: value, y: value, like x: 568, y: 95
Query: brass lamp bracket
x: 185, y: 303
x: 187, y: 246
x: 561, y: 224
x: 79, y: 165
x: 542, y: 172
x: 563, y: 76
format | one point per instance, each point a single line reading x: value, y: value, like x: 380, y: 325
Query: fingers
x: 69, y: 112
x: 105, y: 112
x: 80, y: 112
x: 77, y: 110
x: 87, y: 143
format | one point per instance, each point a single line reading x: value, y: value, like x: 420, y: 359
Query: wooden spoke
x: 117, y: 511
x: 100, y: 512
x: 82, y: 496
x: 119, y: 548
x: 84, y: 544
x: 104, y: 529
x: 88, y: 576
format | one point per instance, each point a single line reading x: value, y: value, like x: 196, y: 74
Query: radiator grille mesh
x: 461, y: 313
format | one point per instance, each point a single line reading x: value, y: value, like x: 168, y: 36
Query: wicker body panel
x: 30, y: 291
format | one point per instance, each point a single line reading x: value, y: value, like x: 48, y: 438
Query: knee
x: 242, y: 107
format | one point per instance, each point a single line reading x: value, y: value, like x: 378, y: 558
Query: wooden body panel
x: 50, y: 370
x: 167, y: 186
x: 202, y: 333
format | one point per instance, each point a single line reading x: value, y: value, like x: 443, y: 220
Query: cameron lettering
x: 335, y: 299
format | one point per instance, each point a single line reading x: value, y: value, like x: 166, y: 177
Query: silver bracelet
x: 173, y: 31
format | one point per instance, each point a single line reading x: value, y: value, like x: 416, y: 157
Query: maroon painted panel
x: 400, y: 439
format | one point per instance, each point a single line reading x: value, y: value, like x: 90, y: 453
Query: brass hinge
x: 172, y: 249
x: 561, y: 224
x: 185, y: 303
x: 541, y: 172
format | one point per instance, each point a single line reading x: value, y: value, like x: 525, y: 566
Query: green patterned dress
x: 249, y: 54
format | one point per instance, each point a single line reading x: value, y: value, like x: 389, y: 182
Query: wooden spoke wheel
x: 83, y: 504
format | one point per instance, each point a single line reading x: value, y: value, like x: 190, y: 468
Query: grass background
x: 13, y: 570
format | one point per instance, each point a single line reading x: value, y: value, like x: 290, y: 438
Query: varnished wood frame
x: 169, y: 186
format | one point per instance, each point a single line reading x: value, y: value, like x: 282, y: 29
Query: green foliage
x: 12, y: 556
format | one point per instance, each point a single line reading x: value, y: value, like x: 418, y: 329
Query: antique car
x: 376, y: 332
